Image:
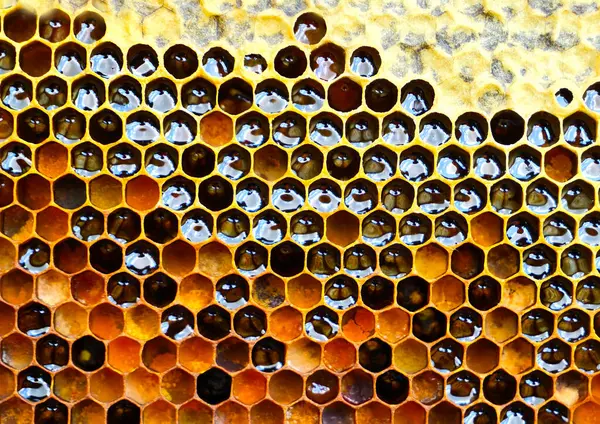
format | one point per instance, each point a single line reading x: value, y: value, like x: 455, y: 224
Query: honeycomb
x: 195, y: 235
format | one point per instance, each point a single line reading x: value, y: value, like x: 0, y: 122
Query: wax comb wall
x: 340, y: 212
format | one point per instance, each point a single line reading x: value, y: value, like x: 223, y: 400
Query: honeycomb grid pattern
x: 192, y: 236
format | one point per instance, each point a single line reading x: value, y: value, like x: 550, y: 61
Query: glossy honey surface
x: 311, y: 231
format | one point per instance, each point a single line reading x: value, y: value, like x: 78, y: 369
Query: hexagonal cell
x: 141, y: 386
x: 159, y: 354
x: 17, y: 351
x: 285, y: 323
x: 52, y: 223
x: 87, y: 412
x: 87, y: 288
x: 393, y: 325
x: 69, y: 192
x: 484, y: 293
x: 197, y: 355
x: 339, y: 355
x: 519, y: 293
x: 304, y: 291
x: 123, y: 410
x: 431, y: 261
x: 34, y: 378
x: 89, y: 27
x: 88, y: 353
x: 429, y: 325
x: 537, y: 324
x: 231, y: 411
x: 52, y: 352
x: 427, y: 387
x: 357, y: 387
x: 232, y: 354
x: 322, y: 387
x: 194, y: 412
x: 321, y: 323
x: 571, y: 387
x: 214, y: 322
x: 410, y: 356
x: 413, y: 293
x: 52, y: 408
x: 483, y: 356
x: 214, y: 260
x: 142, y: 322
x: 501, y: 324
x: 447, y: 355
x: 70, y: 255
x: 216, y: 129
x: 179, y: 258
x: 444, y: 413
x: 177, y: 386
x: 344, y: 95
x: 375, y: 355
x: 16, y: 410
x: 470, y: 196
x: 269, y: 355
x: 70, y: 385
x: 123, y: 225
x: 303, y: 412
x: 70, y: 320
x: 35, y: 59
x: 560, y: 164
x: 17, y: 223
x: 6, y: 185
x: 499, y: 387
x: 487, y: 229
x: 34, y: 319
x: 577, y: 197
x: 409, y: 413
x: 342, y: 228
x: 266, y: 412
x: 358, y: 324
x: 576, y: 261
x: 303, y: 355
x: 159, y: 412
x: 536, y: 387
x: 465, y: 324
x: 467, y: 261
x: 20, y: 24
x: 249, y: 387
x: 285, y: 387
x: 106, y: 321
x: 53, y: 288
x: 214, y: 386
x: 503, y: 261
x: 16, y: 287
x: 105, y: 192
x: 448, y: 293
x: 270, y: 163
x: 124, y: 354
x: 586, y: 413
x: 268, y: 291
x: 374, y: 411
x: 33, y: 191
x: 142, y: 193
x: 195, y: 292
x: 462, y: 388
x: 106, y: 385
x: 160, y: 290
